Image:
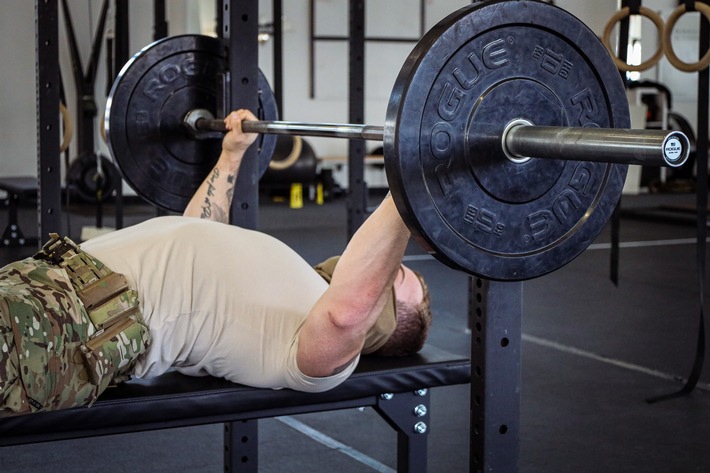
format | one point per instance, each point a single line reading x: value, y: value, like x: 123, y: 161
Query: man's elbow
x: 351, y: 317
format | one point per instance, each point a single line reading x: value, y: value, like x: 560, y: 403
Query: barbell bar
x: 520, y: 140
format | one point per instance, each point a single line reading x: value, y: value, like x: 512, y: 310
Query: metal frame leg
x: 408, y: 414
x: 495, y: 377
x: 241, y: 446
x: 13, y: 236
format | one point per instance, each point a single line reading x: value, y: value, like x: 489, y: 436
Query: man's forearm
x: 213, y: 198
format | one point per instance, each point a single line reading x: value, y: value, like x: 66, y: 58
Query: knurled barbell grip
x: 607, y: 145
x: 328, y: 130
x: 204, y: 122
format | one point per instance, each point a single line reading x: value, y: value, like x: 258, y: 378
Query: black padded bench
x: 394, y: 387
x: 17, y: 188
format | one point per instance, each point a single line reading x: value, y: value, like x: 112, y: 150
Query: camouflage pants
x: 42, y: 326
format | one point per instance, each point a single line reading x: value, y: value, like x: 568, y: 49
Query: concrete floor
x: 592, y: 354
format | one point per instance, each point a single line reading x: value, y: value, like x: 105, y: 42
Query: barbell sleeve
x: 608, y: 145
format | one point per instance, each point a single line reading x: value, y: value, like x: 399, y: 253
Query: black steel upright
x: 239, y: 29
x: 121, y: 50
x: 615, y: 221
x: 496, y: 338
x: 238, y: 23
x: 278, y: 55
x: 160, y: 24
x: 121, y: 32
x: 49, y: 210
x: 357, y: 188
x: 701, y: 159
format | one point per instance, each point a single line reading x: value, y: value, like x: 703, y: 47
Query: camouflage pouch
x: 111, y: 353
x: 121, y: 337
x: 48, y: 325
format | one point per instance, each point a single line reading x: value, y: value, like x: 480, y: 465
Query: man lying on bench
x: 204, y: 298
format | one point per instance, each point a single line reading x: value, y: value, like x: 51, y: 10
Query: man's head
x: 413, y: 315
x: 411, y: 304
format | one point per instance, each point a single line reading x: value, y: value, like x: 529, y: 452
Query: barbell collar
x: 606, y: 145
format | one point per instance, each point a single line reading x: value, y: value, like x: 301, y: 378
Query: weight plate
x: 84, y: 179
x: 156, y: 155
x: 478, y: 70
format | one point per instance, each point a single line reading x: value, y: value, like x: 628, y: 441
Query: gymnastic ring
x: 102, y: 127
x: 668, y: 45
x: 291, y: 158
x: 67, y: 124
x: 620, y: 15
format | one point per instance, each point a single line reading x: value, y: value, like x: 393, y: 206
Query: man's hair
x: 413, y: 322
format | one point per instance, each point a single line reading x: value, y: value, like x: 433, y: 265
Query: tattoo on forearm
x: 210, y: 183
x: 220, y: 215
x: 206, y: 209
x: 211, y: 210
x: 231, y: 179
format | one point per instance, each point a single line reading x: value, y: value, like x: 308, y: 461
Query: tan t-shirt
x: 218, y: 299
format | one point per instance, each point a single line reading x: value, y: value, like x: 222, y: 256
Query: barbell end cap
x: 676, y: 149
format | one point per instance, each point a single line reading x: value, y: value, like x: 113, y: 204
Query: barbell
x: 520, y: 140
x: 506, y: 137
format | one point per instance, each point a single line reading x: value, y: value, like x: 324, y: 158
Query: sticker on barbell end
x: 673, y: 149
x: 481, y: 68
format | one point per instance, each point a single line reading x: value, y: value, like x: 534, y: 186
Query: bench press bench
x: 394, y: 387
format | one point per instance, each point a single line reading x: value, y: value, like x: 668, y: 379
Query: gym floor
x: 592, y: 354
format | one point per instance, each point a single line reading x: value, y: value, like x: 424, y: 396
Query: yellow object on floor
x: 296, y: 196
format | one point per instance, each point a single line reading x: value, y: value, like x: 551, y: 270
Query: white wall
x: 18, y: 154
x: 18, y: 130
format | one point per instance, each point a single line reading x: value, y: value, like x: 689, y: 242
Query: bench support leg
x: 241, y: 446
x: 408, y: 414
x: 496, y: 378
x: 13, y: 236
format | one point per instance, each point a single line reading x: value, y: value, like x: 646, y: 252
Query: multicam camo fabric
x: 44, y: 325
x: 47, y: 361
x: 111, y: 355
